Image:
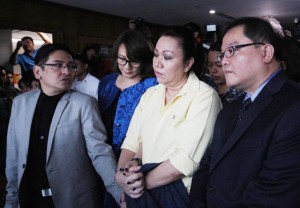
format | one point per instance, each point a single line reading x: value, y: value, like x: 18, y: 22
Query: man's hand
x: 19, y: 44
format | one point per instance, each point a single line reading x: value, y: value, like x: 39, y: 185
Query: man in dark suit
x: 254, y: 159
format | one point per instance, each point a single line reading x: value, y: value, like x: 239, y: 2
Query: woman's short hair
x: 138, y: 48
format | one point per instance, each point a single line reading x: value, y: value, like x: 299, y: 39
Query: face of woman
x: 168, y: 62
x: 215, y: 68
x: 128, y: 69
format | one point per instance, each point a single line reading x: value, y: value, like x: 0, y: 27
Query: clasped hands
x: 131, y: 180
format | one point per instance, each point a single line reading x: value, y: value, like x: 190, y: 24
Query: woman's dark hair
x: 45, y: 51
x: 258, y: 30
x: 187, y: 42
x: 216, y: 46
x: 138, y: 49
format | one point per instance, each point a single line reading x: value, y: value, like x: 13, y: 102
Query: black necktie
x: 244, y: 108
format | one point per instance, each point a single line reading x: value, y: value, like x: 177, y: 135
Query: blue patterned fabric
x: 128, y: 100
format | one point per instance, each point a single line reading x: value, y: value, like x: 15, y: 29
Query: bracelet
x: 138, y: 160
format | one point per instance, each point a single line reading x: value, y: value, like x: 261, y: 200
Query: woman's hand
x: 131, y: 181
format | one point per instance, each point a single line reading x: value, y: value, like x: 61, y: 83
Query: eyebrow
x: 165, y: 51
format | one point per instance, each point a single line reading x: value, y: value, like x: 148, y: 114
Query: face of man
x: 10, y: 78
x: 55, y: 80
x: 245, y: 69
x: 27, y: 45
x: 81, y: 68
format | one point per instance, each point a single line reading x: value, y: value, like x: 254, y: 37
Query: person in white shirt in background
x: 84, y: 82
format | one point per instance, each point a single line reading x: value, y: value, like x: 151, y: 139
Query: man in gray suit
x: 56, y: 141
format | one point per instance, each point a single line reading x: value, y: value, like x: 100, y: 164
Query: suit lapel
x: 256, y: 108
x: 29, y: 113
x: 55, y: 120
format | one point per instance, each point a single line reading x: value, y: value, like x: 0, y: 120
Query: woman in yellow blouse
x: 173, y: 122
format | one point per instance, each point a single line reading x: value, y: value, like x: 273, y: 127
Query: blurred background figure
x: 140, y: 25
x: 26, y: 60
x: 35, y: 84
x: 96, y: 66
x: 84, y: 82
x: 24, y: 85
x: 199, y: 66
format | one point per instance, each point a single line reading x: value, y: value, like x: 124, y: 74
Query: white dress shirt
x: 89, y: 85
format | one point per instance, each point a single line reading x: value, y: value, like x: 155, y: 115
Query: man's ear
x: 37, y: 71
x: 86, y: 66
x: 268, y: 53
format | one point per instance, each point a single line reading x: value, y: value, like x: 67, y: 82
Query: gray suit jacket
x: 76, y: 146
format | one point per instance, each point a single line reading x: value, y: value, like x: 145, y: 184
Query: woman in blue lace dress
x: 119, y: 93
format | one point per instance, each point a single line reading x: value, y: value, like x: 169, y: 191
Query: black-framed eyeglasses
x: 230, y: 51
x: 59, y: 66
x: 123, y: 62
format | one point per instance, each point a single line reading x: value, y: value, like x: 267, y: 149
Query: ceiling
x: 170, y: 12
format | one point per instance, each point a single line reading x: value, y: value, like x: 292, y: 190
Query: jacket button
x: 210, y: 189
x: 23, y: 166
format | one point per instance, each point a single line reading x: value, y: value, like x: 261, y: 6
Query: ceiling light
x: 212, y: 11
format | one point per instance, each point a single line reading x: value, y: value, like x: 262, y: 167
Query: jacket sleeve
x: 12, y: 163
x: 99, y: 151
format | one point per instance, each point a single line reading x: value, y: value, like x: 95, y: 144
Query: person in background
x: 96, y: 65
x: 199, y: 66
x: 290, y: 50
x: 24, y: 85
x: 3, y: 74
x: 84, y: 82
x: 8, y: 85
x: 171, y: 126
x: 254, y: 157
x: 226, y: 93
x: 140, y: 25
x: 26, y: 60
x: 56, y: 141
x: 35, y: 84
x: 120, y: 92
x: 10, y: 78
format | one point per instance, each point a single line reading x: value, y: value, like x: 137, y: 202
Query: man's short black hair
x: 259, y: 31
x: 81, y: 58
x: 45, y: 51
x: 27, y: 37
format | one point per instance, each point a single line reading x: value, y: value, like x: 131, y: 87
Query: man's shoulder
x: 91, y: 78
x: 79, y: 96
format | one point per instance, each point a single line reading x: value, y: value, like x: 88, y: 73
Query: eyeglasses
x: 59, y: 66
x: 123, y: 62
x: 230, y: 51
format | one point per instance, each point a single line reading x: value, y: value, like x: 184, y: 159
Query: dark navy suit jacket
x: 255, y: 163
